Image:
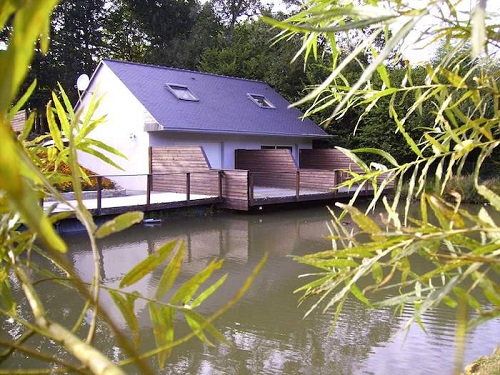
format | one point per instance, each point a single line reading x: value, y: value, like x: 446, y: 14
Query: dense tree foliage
x: 459, y: 93
x: 29, y: 172
x: 191, y: 35
x: 230, y: 11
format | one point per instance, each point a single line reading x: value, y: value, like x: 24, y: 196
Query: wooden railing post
x: 250, y: 179
x: 188, y: 187
x: 297, y: 185
x: 99, y: 193
x: 149, y: 182
x: 220, y: 184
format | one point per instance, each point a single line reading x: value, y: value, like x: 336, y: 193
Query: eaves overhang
x: 159, y: 128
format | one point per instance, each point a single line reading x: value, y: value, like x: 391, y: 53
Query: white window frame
x: 181, y: 92
x: 258, y: 98
x: 277, y: 147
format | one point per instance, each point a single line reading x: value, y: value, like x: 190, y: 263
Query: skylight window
x: 181, y: 92
x: 261, y: 101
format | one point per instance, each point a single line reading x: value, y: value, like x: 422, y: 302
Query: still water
x: 266, y: 329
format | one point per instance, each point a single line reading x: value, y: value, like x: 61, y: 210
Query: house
x: 149, y: 106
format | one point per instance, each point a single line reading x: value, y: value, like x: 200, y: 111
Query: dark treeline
x: 220, y: 36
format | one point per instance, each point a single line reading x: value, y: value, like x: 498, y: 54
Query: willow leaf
x: 493, y: 198
x: 162, y: 319
x: 356, y: 292
x: 22, y: 101
x: 54, y: 130
x: 85, y: 148
x: 119, y: 223
x: 62, y: 117
x: 409, y: 140
x: 148, y: 265
x: 198, y: 324
x: 364, y: 222
x: 351, y: 155
x: 207, y: 292
x: 379, y: 152
x: 171, y: 271
x: 186, y: 292
x: 126, y: 307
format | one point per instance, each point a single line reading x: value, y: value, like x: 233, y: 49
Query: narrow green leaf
x: 437, y: 147
x: 67, y: 103
x: 171, y: 271
x: 351, y: 155
x: 364, y: 222
x: 356, y: 292
x: 162, y: 319
x: 406, y: 136
x: 22, y: 101
x: 54, y: 130
x: 488, y: 194
x: 377, y: 273
x: 85, y: 148
x: 149, y: 264
x: 126, y: 307
x: 379, y: 152
x: 328, y: 264
x: 119, y: 223
x: 207, y: 292
x: 196, y: 321
x: 185, y: 293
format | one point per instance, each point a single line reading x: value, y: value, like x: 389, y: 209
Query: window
x: 261, y: 101
x: 276, y: 147
x: 182, y: 92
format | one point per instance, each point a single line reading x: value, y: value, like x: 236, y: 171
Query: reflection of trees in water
x: 266, y: 327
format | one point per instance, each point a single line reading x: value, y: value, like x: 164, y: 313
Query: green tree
x: 123, y: 33
x: 460, y: 246
x: 77, y: 44
x: 231, y: 11
x: 161, y: 22
x: 28, y: 173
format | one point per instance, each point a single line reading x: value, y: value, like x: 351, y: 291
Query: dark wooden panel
x: 170, y: 166
x: 178, y: 159
x: 235, y: 189
x: 265, y: 160
x: 331, y: 159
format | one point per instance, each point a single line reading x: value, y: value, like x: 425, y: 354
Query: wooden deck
x: 182, y: 177
x: 135, y: 201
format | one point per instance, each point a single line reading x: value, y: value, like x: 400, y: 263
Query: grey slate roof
x: 223, y: 105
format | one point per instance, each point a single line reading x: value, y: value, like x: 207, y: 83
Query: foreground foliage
x: 461, y: 247
x: 30, y: 172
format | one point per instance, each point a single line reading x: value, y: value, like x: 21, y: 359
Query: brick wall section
x: 170, y: 165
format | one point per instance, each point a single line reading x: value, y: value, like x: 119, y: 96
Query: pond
x: 267, y: 329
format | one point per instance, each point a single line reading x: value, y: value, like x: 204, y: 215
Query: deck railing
x: 147, y: 189
x: 301, y: 184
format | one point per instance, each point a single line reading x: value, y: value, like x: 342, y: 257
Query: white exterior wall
x: 122, y: 129
x: 219, y: 148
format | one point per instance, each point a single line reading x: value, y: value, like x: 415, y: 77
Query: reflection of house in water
x: 241, y: 240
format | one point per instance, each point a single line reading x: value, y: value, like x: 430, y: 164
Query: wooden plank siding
x: 317, y: 179
x: 235, y: 187
x: 333, y: 160
x: 274, y: 168
x: 175, y: 167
